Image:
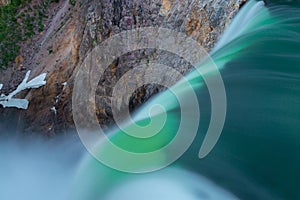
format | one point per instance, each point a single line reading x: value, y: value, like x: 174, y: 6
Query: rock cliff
x: 73, y: 28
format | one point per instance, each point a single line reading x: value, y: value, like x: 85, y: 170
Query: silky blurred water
x: 256, y: 157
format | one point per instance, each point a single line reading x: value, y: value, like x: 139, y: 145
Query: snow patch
x: 9, y: 101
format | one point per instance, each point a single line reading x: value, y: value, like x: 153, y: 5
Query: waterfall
x: 255, y: 157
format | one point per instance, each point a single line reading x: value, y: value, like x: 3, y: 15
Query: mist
x: 33, y: 168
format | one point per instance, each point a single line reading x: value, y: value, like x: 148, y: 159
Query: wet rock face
x: 73, y: 31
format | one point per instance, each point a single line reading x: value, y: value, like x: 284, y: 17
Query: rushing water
x: 256, y: 157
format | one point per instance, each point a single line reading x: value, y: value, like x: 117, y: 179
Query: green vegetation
x: 9, y: 32
x: 19, y: 21
x: 72, y: 2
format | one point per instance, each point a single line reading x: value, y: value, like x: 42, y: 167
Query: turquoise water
x: 256, y: 156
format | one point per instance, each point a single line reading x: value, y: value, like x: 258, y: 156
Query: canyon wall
x: 73, y: 29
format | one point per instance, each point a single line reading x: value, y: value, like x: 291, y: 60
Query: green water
x: 258, y: 153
